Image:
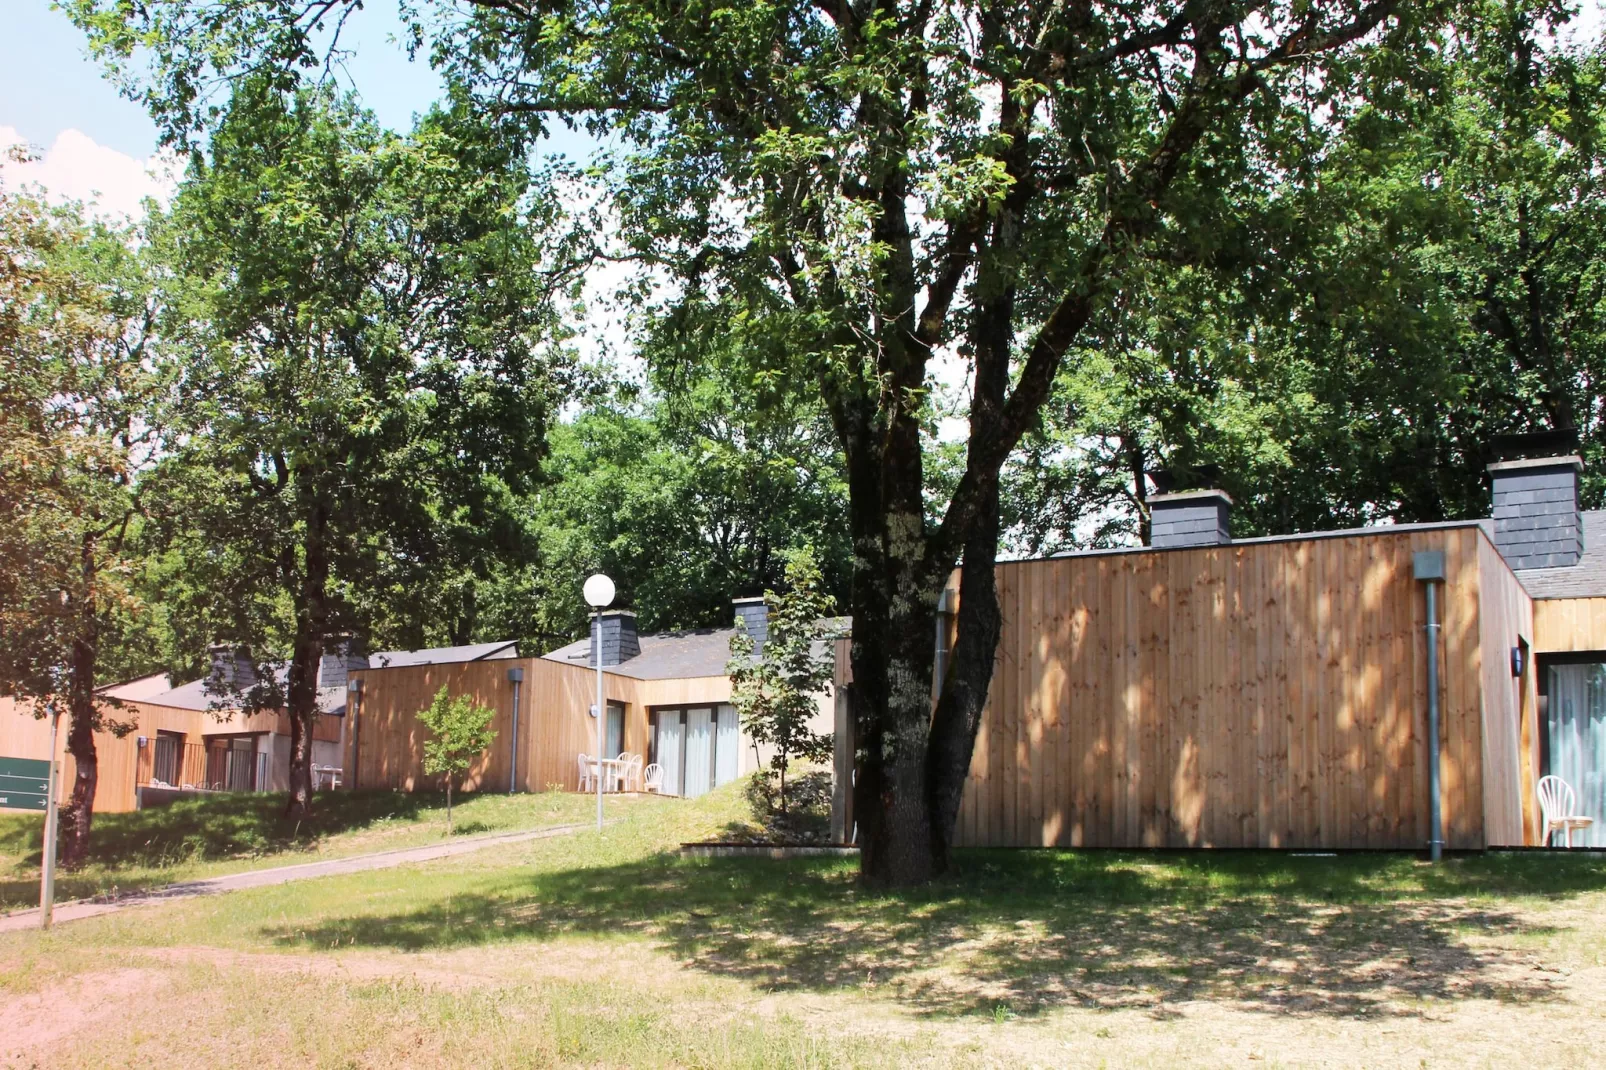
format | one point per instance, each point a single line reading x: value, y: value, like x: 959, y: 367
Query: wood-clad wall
x: 1505, y: 620
x: 1568, y: 625
x: 555, y: 726
x: 118, y: 760
x: 388, y: 738
x: 1266, y: 694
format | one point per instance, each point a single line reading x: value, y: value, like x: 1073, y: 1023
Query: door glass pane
x: 1577, y: 742
x: 699, y: 750
x: 616, y: 731
x: 242, y: 765
x: 669, y: 748
x: 727, y: 747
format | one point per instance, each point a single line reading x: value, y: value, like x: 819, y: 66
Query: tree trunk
x: 80, y: 814
x: 958, y: 715
x: 448, y: 806
x: 896, y: 597
x: 302, y: 701
x: 312, y: 622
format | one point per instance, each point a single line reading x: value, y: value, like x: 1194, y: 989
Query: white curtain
x: 1578, y: 742
x: 699, y: 751
x: 616, y: 731
x: 669, y: 740
x: 727, y: 747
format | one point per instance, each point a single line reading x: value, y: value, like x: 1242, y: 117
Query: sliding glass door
x: 1575, y: 741
x: 727, y: 747
x: 699, y: 748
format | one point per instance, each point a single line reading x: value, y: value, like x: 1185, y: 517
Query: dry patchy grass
x: 613, y: 951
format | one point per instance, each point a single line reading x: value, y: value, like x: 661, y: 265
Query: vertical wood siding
x: 1565, y: 625
x: 1505, y: 619
x: 1253, y: 695
x: 555, y: 725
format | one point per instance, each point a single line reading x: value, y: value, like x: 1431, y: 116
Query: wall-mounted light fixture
x: 514, y: 677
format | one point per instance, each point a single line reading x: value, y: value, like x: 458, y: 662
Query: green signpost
x: 30, y: 784
x: 24, y: 783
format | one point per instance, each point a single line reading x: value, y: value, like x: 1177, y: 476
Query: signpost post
x: 47, y: 876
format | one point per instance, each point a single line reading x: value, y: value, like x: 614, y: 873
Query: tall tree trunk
x: 80, y: 814
x: 958, y: 715
x: 895, y: 593
x: 312, y: 622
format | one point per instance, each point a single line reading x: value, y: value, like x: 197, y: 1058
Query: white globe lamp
x: 599, y: 592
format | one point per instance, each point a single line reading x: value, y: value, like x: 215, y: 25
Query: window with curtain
x: 1576, y: 741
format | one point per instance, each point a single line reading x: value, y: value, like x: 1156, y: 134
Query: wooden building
x: 1272, y: 692
x: 667, y: 695
x: 163, y: 741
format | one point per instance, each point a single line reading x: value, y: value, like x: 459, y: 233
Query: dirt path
x: 260, y: 878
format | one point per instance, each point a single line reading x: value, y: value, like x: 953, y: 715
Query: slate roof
x: 667, y: 656
x: 441, y: 655
x: 195, y: 696
x: 1587, y: 579
x: 682, y: 655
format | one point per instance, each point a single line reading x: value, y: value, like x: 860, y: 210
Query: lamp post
x: 599, y: 595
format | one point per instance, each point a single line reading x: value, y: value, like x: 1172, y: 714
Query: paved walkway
x: 261, y: 878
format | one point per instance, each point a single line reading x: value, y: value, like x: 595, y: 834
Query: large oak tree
x: 886, y: 186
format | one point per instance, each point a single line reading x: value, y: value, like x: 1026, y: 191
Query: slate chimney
x: 619, y: 640
x: 1536, y: 520
x: 754, y: 615
x: 341, y: 656
x: 231, y: 670
x: 1190, y: 518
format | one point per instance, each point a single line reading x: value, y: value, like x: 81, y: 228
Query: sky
x: 97, y: 145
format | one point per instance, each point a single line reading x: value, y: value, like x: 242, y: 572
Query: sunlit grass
x: 218, y: 834
x: 612, y: 949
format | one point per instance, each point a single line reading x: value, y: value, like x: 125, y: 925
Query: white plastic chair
x: 586, y: 765
x: 633, y: 773
x: 1556, y: 803
x: 617, y: 769
x: 653, y: 778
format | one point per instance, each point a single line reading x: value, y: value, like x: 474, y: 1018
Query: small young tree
x: 459, y: 733
x: 777, y: 692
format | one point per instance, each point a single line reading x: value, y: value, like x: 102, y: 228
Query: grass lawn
x: 611, y: 950
x: 226, y: 833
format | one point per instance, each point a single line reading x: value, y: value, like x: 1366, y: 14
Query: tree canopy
x: 1014, y: 256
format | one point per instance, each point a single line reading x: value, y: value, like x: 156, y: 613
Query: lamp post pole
x: 601, y: 718
x: 599, y: 595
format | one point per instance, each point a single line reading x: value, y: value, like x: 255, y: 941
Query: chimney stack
x: 231, y: 670
x: 1536, y: 520
x: 341, y: 656
x: 619, y: 640
x: 754, y: 615
x: 1190, y: 518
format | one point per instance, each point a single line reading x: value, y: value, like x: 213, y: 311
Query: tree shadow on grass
x: 1031, y: 931
x: 203, y: 828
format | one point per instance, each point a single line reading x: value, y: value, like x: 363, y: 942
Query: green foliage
x: 777, y: 692
x: 369, y: 353
x: 801, y: 815
x: 1420, y: 281
x: 76, y: 429
x: 459, y: 734
x: 684, y: 501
